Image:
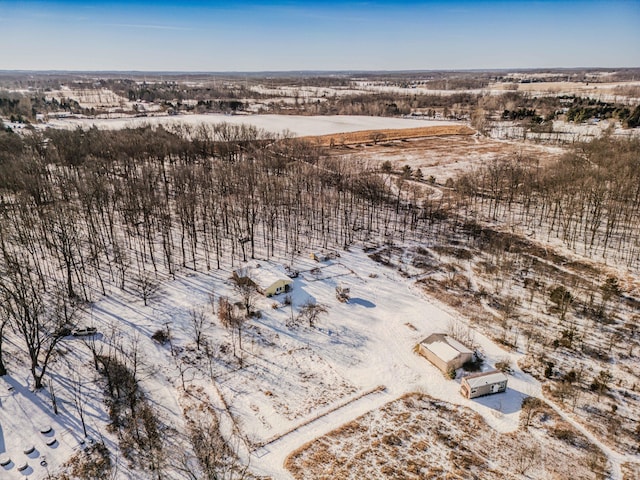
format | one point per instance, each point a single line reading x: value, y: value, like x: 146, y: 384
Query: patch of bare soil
x: 387, y: 135
x: 418, y: 437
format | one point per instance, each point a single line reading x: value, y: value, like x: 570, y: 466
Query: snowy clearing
x: 289, y: 374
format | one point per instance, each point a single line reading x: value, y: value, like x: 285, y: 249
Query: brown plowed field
x: 376, y: 136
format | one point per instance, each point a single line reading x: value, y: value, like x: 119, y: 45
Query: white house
x: 269, y: 279
x: 484, y: 383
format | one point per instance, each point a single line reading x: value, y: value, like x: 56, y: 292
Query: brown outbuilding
x: 444, y: 352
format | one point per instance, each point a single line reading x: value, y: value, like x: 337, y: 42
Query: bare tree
x: 197, y: 317
x: 79, y: 401
x: 530, y: 406
x: 609, y: 290
x: 311, y: 311
x: 562, y: 298
x: 245, y: 289
x: 4, y: 322
x: 601, y: 382
x: 147, y: 288
x: 96, y: 346
x: 216, y: 457
x: 527, y: 456
x: 230, y: 319
x: 41, y: 322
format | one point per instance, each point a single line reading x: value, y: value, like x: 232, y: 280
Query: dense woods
x: 84, y: 211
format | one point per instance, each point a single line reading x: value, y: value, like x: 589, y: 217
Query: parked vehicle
x: 84, y: 331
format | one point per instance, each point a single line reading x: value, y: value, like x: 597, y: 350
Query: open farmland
x: 443, y: 157
x: 294, y: 125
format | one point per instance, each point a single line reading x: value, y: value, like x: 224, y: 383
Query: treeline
x: 23, y: 108
x: 175, y: 91
x: 234, y: 95
x: 583, y: 109
x: 589, y: 199
x: 458, y: 105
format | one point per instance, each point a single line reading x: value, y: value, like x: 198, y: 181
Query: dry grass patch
x: 630, y: 471
x: 417, y: 437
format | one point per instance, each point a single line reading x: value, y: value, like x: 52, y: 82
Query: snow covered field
x: 296, y: 125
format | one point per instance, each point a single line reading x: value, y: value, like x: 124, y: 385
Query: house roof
x: 264, y: 274
x: 485, y: 378
x: 445, y: 347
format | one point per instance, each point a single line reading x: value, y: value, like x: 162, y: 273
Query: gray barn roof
x: 485, y: 378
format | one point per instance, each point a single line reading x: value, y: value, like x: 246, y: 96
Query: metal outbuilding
x: 444, y: 352
x: 485, y: 383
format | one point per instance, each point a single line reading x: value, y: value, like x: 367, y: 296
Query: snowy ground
x: 290, y: 375
x: 297, y: 125
x: 27, y: 421
x: 296, y: 383
x: 447, y: 157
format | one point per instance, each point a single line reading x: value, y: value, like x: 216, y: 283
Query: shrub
x: 92, y: 463
x: 474, y: 365
x: 548, y: 369
x: 504, y: 365
x: 160, y: 336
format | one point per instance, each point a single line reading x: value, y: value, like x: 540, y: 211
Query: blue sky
x: 260, y: 35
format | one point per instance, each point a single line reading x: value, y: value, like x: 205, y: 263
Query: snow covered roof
x: 485, y: 378
x: 264, y: 275
x: 445, y: 347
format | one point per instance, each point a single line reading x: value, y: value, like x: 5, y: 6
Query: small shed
x: 485, y: 383
x: 319, y: 256
x: 444, y: 352
x: 269, y: 279
x: 323, y: 256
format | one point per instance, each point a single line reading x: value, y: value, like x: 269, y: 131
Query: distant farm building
x: 444, y: 352
x: 269, y: 279
x: 323, y: 256
x: 484, y: 383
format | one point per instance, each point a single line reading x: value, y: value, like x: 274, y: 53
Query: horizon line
x: 310, y: 71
